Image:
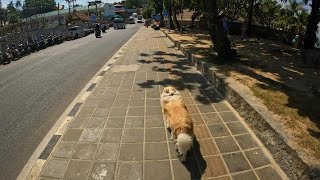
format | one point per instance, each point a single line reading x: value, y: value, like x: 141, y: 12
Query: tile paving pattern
x: 119, y: 131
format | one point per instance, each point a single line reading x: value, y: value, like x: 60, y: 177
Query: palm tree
x: 222, y: 45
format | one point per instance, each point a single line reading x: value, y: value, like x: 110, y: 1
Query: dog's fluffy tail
x: 184, y: 142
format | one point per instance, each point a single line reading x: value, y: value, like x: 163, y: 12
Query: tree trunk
x: 219, y: 38
x: 247, y: 26
x: 314, y: 18
x: 174, y: 12
x: 170, y: 17
x: 194, y: 17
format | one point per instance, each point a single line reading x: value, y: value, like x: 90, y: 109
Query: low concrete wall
x: 257, y: 116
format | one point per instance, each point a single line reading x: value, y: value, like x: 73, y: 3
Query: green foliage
x: 147, y: 12
x: 32, y: 7
x: 133, y: 3
x: 13, y: 18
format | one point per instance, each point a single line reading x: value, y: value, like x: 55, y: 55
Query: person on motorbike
x: 97, y: 28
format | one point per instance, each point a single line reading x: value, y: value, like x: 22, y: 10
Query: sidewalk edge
x: 255, y: 114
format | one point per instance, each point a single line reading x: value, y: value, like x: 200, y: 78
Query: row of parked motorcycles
x: 17, y: 51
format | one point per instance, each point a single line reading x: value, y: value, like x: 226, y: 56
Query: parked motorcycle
x: 42, y: 44
x: 21, y: 50
x: 15, y: 52
x: 50, y: 41
x: 7, y: 56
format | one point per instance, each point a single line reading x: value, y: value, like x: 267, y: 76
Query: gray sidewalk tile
x: 268, y: 173
x: 155, y: 135
x: 131, y: 152
x: 101, y: 112
x: 218, y: 130
x: 84, y: 151
x: 136, y: 111
x: 157, y: 169
x: 55, y: 168
x: 156, y: 151
x: 207, y: 147
x: 201, y: 132
x: 118, y: 112
x: 79, y: 122
x: 236, y: 162
x: 257, y: 158
x: 107, y: 152
x: 136, y: 102
x: 137, y: 95
x: 154, y: 111
x: 227, y: 144
x: 133, y: 135
x: 72, y: 135
x: 245, y: 176
x: 185, y: 171
x: 130, y: 171
x: 153, y: 102
x: 196, y: 119
x: 92, y: 135
x: 115, y: 122
x: 246, y: 141
x: 91, y: 103
x: 236, y: 128
x: 134, y: 122
x: 86, y: 112
x: 221, y: 106
x: 192, y: 109
x: 63, y: 149
x: 212, y: 118
x: 154, y: 121
x: 206, y: 108
x: 77, y: 170
x: 121, y: 103
x: 97, y: 122
x: 111, y: 136
x: 214, y: 167
x: 228, y: 116
x: 102, y: 170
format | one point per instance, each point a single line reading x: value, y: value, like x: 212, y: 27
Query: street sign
x: 93, y: 18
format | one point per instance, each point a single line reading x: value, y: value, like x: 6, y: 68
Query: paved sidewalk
x: 118, y: 132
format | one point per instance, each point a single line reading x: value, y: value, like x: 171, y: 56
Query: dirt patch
x: 275, y: 73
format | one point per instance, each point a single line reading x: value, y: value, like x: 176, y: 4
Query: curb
x: 39, y: 157
x: 255, y: 114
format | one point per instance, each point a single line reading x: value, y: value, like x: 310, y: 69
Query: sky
x: 83, y: 2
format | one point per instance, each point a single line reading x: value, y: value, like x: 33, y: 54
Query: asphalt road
x: 36, y: 90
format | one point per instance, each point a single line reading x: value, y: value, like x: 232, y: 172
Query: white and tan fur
x: 177, y: 120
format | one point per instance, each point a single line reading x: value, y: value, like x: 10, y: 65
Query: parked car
x: 75, y: 32
x: 131, y: 20
x: 139, y: 19
x: 118, y: 23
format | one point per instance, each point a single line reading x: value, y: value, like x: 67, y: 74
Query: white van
x: 118, y: 23
x: 75, y: 32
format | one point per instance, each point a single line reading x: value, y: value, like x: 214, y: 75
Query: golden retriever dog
x: 177, y: 121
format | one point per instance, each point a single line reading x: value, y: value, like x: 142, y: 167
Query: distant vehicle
x: 75, y: 32
x: 135, y: 15
x: 139, y: 19
x: 118, y: 23
x: 131, y: 20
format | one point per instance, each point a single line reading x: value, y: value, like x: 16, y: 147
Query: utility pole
x: 59, y: 14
